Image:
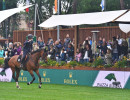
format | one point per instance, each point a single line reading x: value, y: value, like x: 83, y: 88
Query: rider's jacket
x: 27, y: 46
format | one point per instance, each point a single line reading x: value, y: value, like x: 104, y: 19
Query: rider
x: 27, y: 48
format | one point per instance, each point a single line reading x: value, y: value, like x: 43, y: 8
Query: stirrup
x: 21, y: 65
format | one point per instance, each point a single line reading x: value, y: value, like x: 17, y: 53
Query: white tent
x: 7, y: 13
x: 124, y: 18
x: 85, y: 18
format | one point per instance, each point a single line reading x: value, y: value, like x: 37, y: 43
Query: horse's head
x: 44, y: 53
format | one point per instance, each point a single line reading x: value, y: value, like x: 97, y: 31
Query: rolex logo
x: 44, y: 73
x: 22, y: 73
x: 70, y: 74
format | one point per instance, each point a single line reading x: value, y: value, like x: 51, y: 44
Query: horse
x: 30, y: 65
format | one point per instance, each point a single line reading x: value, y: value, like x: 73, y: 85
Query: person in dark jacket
x: 115, y: 49
x: 124, y: 48
x: 70, y: 52
x: 27, y: 48
x: 40, y: 43
x: 87, y: 54
x: 103, y: 47
x: 62, y: 55
x: 51, y: 53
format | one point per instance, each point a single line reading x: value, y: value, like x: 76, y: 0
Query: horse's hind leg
x: 13, y: 74
x: 37, y: 72
x: 17, y: 76
x: 31, y: 73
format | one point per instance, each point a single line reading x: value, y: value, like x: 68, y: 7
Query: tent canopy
x: 124, y: 18
x: 86, y: 18
x: 7, y: 13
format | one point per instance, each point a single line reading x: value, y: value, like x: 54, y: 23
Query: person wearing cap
x: 27, y: 48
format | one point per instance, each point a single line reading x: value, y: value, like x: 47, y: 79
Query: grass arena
x: 66, y: 85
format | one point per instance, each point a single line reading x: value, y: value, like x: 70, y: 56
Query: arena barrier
x: 111, y: 79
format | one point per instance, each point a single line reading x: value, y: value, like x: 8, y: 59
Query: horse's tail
x: 6, y: 65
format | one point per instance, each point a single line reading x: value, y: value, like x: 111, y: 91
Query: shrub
x: 73, y: 63
x: 108, y: 66
x: 98, y: 62
x: 1, y: 61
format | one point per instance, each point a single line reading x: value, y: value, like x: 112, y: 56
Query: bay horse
x: 32, y: 64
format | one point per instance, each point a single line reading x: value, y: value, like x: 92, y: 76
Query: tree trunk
x: 122, y: 4
x: 75, y: 3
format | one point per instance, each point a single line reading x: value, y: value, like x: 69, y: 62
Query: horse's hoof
x: 39, y: 86
x: 28, y: 83
x: 18, y: 87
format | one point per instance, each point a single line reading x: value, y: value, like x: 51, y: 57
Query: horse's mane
x: 38, y: 50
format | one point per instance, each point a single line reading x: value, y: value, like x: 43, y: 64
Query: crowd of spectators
x: 110, y: 51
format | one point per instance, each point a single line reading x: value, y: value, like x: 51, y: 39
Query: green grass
x: 8, y: 91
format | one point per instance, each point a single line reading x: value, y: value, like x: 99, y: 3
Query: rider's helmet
x: 30, y: 36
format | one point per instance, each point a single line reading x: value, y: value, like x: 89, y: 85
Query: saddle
x: 20, y: 58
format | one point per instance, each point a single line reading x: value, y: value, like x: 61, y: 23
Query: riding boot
x: 21, y: 65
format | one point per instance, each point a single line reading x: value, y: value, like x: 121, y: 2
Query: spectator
x: 1, y: 52
x: 78, y: 55
x: 103, y: 48
x: 49, y: 42
x: 35, y: 46
x: 6, y: 44
x: 119, y: 40
x: 90, y: 40
x: 124, y: 48
x: 58, y: 48
x: 108, y: 57
x: 19, y: 48
x: 67, y: 41
x: 86, y: 41
x: 63, y: 55
x: 87, y: 53
x: 115, y: 49
x: 51, y: 53
x: 40, y: 42
x: 10, y: 50
x: 70, y: 52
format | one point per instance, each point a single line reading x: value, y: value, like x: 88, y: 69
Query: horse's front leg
x: 40, y: 83
x: 31, y: 73
x: 16, y: 79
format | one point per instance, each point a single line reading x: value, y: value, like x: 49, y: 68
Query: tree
x: 122, y: 4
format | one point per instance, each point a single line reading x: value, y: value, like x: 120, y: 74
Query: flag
x: 4, y: 5
x: 27, y: 3
x: 102, y: 4
x: 55, y: 6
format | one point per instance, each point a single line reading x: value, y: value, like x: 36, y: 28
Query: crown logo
x: 44, y: 73
x: 22, y: 73
x: 70, y: 74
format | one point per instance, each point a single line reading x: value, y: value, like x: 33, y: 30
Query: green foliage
x: 108, y: 66
x: 1, y: 61
x: 122, y: 63
x: 98, y: 62
x: 73, y: 63
x: 62, y: 63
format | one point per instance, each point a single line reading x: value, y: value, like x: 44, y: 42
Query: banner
x: 7, y: 77
x: 110, y: 79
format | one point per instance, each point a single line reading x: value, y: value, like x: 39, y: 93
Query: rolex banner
x: 110, y: 79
